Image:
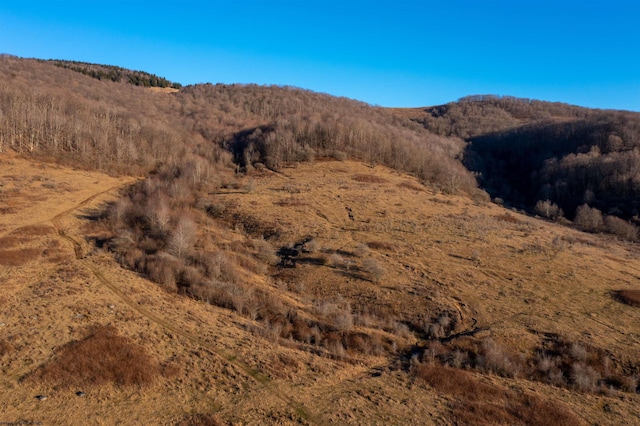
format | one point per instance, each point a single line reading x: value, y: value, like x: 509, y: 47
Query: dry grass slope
x: 496, y: 309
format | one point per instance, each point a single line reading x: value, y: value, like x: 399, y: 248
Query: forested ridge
x: 119, y: 126
x: 193, y: 146
x: 535, y: 154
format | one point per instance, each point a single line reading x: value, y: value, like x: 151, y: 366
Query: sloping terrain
x: 268, y: 255
x: 499, y: 276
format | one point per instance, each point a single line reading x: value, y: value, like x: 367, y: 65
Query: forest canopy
x: 525, y: 151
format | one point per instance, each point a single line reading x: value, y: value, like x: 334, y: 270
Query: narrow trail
x: 258, y: 376
x: 56, y: 219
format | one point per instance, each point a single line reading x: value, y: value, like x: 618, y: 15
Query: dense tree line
x: 117, y: 74
x: 530, y: 151
x: 478, y: 115
x: 50, y: 112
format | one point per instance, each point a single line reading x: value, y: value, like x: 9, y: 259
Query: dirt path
x: 261, y: 378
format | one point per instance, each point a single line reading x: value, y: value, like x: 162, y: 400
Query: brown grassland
x: 407, y: 305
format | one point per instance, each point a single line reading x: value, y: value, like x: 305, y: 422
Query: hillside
x: 527, y: 151
x: 511, y: 288
x: 268, y: 255
x: 124, y: 128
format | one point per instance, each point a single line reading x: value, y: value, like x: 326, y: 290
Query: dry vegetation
x: 288, y: 258
x: 477, y: 403
x: 121, y: 128
x: 100, y: 358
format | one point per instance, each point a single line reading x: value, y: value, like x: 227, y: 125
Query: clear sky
x: 389, y: 53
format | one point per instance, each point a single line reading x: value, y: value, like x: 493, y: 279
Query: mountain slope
x: 122, y: 128
x: 285, y: 257
x: 506, y: 282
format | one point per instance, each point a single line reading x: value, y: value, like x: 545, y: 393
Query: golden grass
x: 440, y: 254
x: 35, y: 230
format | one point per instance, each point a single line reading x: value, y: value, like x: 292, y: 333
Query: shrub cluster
x: 478, y: 403
x: 557, y: 361
x: 158, y: 229
x: 101, y: 357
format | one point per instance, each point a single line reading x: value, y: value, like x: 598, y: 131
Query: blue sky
x: 389, y: 53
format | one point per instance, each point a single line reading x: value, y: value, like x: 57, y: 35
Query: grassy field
x: 525, y: 313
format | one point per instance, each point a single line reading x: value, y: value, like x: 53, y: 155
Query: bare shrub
x: 401, y: 330
x: 440, y: 327
x: 373, y: 268
x: 312, y: 246
x: 336, y: 260
x: 342, y: 319
x: 182, y: 237
x: 159, y: 215
x: 621, y: 228
x: 369, y: 179
x: 578, y: 352
x: 119, y: 211
x: 102, y: 357
x: 362, y: 250
x: 589, y: 219
x: 459, y: 359
x: 340, y: 155
x: 547, y: 364
x: 214, y: 210
x: 496, y: 360
x: 163, y: 268
x: 548, y: 209
x: 181, y: 193
x: 584, y: 377
x: 214, y: 292
x: 264, y: 251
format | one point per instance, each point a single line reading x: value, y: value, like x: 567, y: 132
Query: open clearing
x: 507, y: 276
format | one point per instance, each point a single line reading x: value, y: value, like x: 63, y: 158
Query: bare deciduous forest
x: 526, y: 151
x: 124, y: 128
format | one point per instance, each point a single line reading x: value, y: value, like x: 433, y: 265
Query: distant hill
x: 525, y: 151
